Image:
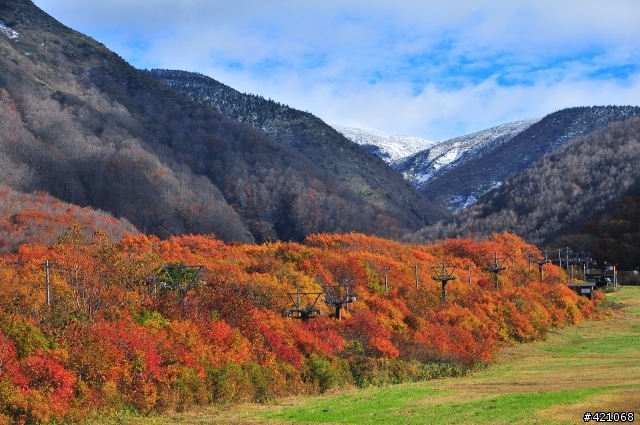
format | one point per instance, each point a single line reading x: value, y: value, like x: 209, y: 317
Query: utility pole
x: 541, y: 264
x: 530, y: 256
x: 497, y: 267
x: 386, y: 280
x: 48, y: 281
x: 442, y: 276
x: 583, y: 258
x: 560, y: 257
x: 415, y: 268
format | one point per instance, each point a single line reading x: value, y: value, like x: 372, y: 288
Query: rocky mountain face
x: 391, y: 148
x: 451, y: 175
x: 78, y: 122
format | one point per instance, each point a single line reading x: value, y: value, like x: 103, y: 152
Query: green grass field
x: 594, y: 366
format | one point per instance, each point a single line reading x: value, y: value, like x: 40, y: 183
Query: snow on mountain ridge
x: 419, y: 160
x: 4, y: 29
x: 390, y: 148
x: 441, y: 157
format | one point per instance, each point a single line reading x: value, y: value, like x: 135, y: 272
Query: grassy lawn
x: 594, y: 366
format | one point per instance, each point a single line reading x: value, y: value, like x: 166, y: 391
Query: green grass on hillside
x: 416, y: 407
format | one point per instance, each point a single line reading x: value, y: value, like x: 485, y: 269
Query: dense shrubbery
x: 115, y: 337
x: 40, y: 219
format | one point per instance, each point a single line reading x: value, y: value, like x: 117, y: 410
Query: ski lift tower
x: 180, y: 278
x: 496, y: 267
x: 306, y: 311
x: 339, y: 296
x: 541, y: 264
x: 584, y: 259
x: 443, y: 276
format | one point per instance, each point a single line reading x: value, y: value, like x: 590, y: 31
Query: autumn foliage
x: 40, y: 218
x: 122, y: 330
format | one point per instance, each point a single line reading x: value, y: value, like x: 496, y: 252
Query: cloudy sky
x: 429, y: 68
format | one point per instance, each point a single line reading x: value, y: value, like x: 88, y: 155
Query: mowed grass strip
x: 594, y: 366
x: 394, y: 408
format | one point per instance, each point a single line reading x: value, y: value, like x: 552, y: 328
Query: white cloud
x: 421, y: 67
x: 445, y: 114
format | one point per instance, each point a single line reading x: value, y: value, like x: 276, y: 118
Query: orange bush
x: 116, y: 335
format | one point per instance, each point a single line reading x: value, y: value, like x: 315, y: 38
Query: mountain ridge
x: 391, y: 148
x: 366, y: 174
x: 450, y: 154
x: 81, y: 124
x: 485, y: 171
x: 559, y: 194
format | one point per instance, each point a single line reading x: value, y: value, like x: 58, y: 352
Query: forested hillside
x: 354, y: 166
x: 42, y: 219
x: 613, y: 236
x: 137, y: 326
x: 78, y: 122
x: 583, y: 183
x: 481, y: 171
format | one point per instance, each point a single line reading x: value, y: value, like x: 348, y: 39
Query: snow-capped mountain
x: 458, y: 172
x: 444, y: 156
x: 390, y: 148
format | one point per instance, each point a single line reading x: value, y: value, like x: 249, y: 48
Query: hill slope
x: 41, y: 219
x: 446, y: 156
x: 575, y: 184
x: 362, y: 172
x: 461, y: 185
x: 122, y: 333
x: 80, y: 123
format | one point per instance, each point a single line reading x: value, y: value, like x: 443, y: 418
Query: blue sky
x: 425, y: 68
